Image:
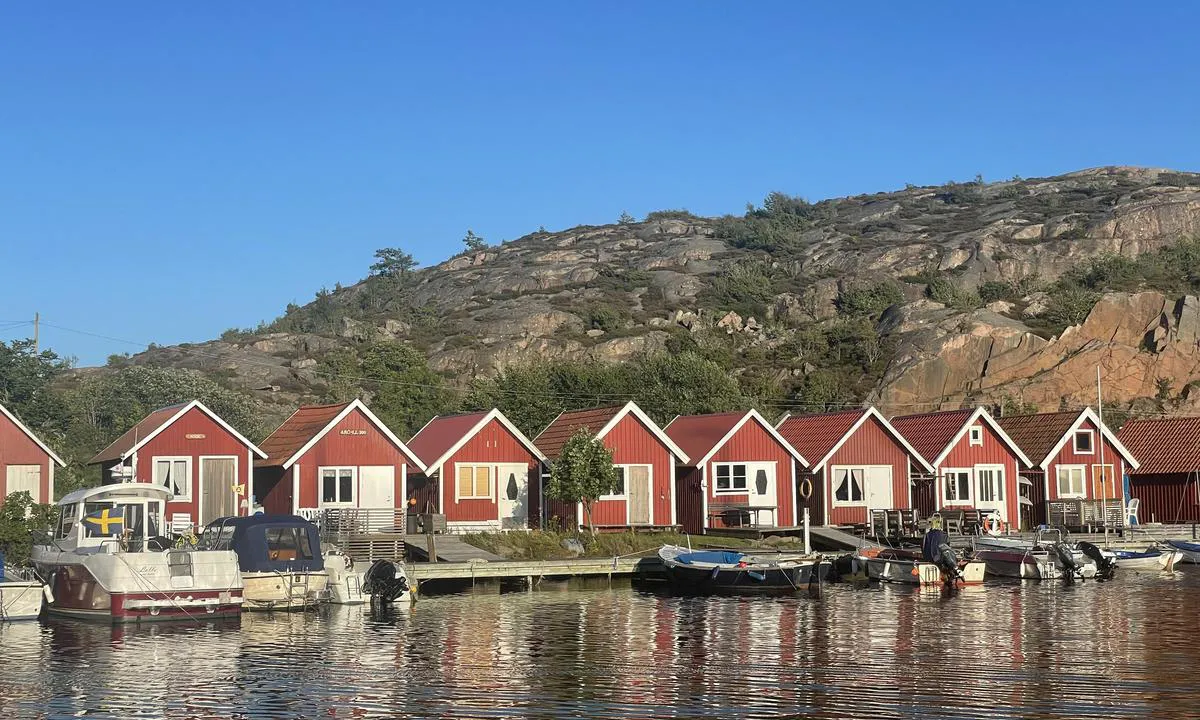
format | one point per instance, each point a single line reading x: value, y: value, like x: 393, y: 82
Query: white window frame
x: 624, y: 469
x: 975, y: 435
x: 970, y: 498
x: 1075, y: 441
x: 745, y: 490
x: 337, y: 469
x: 833, y: 499
x: 187, y: 460
x: 999, y: 470
x: 491, y: 470
x: 1082, y: 481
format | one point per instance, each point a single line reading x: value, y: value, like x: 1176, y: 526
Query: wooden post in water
x: 431, y: 547
x: 807, y: 543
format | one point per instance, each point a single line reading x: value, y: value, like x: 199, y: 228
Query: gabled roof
x: 599, y: 421
x: 935, y: 434
x: 157, y: 421
x: 309, y: 424
x: 820, y: 436
x: 443, y: 436
x: 36, y: 440
x: 701, y: 436
x: 1164, y: 445
x: 1041, y: 436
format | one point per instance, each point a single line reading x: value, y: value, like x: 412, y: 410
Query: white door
x: 512, y: 496
x: 24, y: 477
x: 760, y: 481
x: 377, y: 491
x: 879, y: 488
x: 989, y: 480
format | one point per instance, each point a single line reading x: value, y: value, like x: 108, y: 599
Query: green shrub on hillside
x: 951, y: 294
x: 869, y: 300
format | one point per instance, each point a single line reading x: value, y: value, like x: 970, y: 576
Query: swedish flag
x: 109, y: 521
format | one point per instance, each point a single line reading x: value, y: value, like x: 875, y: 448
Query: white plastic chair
x: 180, y: 523
x: 1131, y: 512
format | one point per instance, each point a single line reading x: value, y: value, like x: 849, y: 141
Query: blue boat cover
x: 1135, y: 554
x: 720, y: 557
x: 269, y: 543
x: 1181, y: 545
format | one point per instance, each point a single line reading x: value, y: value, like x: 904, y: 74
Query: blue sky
x: 169, y: 170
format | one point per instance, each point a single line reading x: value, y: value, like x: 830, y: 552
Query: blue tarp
x: 720, y: 557
x: 271, y: 543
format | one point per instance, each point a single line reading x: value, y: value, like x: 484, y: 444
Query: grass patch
x: 547, y: 545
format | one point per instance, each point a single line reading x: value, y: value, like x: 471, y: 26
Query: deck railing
x: 342, y: 522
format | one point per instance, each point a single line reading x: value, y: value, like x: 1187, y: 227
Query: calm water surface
x: 1120, y: 649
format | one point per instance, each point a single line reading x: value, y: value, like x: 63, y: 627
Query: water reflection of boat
x: 1049, y: 556
x: 713, y: 571
x: 21, y: 593
x: 279, y: 557
x: 934, y: 564
x: 1153, y: 559
x: 106, y: 560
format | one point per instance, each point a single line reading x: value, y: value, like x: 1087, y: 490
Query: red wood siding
x: 816, y: 500
x: 16, y: 448
x: 207, y: 438
x: 752, y: 443
x: 870, y: 444
x: 632, y: 443
x: 1068, y: 456
x: 1166, y: 497
x: 689, y: 500
x: 493, y: 444
x: 273, y: 488
x: 993, y: 451
x: 360, y: 444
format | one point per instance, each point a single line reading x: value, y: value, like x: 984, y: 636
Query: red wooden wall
x: 16, y: 448
x: 1068, y: 456
x: 362, y: 444
x: 994, y: 451
x: 492, y: 444
x: 1166, y: 497
x: 870, y: 444
x: 752, y: 443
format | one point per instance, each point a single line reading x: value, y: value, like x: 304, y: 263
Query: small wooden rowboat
x: 728, y: 571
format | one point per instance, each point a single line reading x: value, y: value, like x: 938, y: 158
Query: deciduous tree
x: 582, y: 473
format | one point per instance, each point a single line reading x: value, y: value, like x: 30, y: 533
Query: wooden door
x: 26, y: 478
x: 990, y: 491
x: 637, y: 486
x: 879, y: 488
x: 218, y: 478
x: 760, y: 479
x: 512, y: 496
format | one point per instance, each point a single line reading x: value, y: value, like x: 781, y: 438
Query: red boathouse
x: 481, y: 473
x: 977, y: 464
x: 645, y: 458
x: 1074, y: 459
x: 192, y: 452
x: 1167, y: 482
x: 859, y: 463
x: 26, y: 463
x: 741, y: 472
x: 328, y: 457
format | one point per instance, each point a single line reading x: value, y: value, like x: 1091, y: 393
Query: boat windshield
x: 131, y: 522
x: 288, y: 543
x: 217, y: 536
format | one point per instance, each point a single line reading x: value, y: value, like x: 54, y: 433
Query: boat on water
x: 730, y: 571
x: 1154, y: 559
x: 934, y: 564
x: 1190, y: 550
x: 106, y: 560
x: 1048, y: 557
x: 21, y: 593
x: 279, y: 557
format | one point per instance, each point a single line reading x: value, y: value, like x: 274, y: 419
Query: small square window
x: 1083, y: 442
x: 976, y: 434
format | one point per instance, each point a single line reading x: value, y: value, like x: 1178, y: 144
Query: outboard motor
x: 381, y: 583
x: 1066, y: 556
x: 936, y: 549
x: 1106, y: 567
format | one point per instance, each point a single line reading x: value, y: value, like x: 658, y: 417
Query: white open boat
x: 936, y: 563
x: 1189, y: 550
x: 107, y: 561
x: 1152, y: 559
x: 1048, y: 557
x: 21, y: 594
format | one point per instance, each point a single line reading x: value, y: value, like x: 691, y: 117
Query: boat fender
x: 806, y: 488
x: 348, y: 562
x: 992, y: 525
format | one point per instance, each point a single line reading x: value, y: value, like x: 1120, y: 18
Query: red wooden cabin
x: 327, y: 457
x: 1167, y: 482
x: 481, y: 472
x: 741, y: 470
x: 976, y: 463
x: 859, y: 463
x: 1073, y: 458
x: 26, y: 463
x: 645, y: 458
x: 192, y: 452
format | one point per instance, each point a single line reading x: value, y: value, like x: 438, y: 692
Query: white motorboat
x: 106, y: 560
x: 1153, y: 559
x: 1048, y: 557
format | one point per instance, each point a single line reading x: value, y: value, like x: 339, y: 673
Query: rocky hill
x: 917, y: 299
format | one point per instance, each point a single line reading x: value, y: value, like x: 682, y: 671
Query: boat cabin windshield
x: 131, y: 523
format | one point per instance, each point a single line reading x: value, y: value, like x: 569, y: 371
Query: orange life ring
x: 806, y: 488
x: 992, y: 524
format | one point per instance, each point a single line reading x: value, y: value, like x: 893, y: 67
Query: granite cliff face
x: 614, y: 292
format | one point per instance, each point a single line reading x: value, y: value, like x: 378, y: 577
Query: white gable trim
x: 499, y: 417
x: 357, y: 404
x: 1105, y: 434
x: 752, y: 415
x: 631, y: 407
x: 183, y: 411
x: 869, y: 413
x: 38, y: 441
x: 981, y: 413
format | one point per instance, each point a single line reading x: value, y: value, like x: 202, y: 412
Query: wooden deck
x: 445, y: 549
x: 535, y: 569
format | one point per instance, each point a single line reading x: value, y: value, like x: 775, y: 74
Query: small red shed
x: 977, y: 464
x: 645, y: 458
x: 26, y: 463
x: 1167, y: 482
x: 334, y: 457
x: 860, y: 463
x: 493, y: 473
x: 192, y: 452
x: 740, y: 467
x: 1073, y: 458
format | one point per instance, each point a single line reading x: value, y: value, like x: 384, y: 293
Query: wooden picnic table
x: 719, y: 509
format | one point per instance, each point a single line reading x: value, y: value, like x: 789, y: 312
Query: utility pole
x: 1103, y: 467
x: 36, y: 321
